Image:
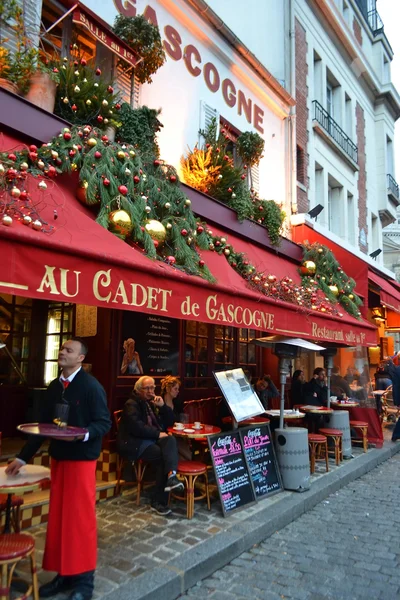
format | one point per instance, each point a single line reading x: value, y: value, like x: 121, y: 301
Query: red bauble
x: 274, y: 290
x: 97, y: 154
x: 217, y: 149
x: 123, y: 190
x: 208, y: 145
x: 200, y: 229
x: 98, y: 71
x: 226, y: 157
x: 260, y: 207
x: 67, y: 136
x: 155, y: 242
x: 230, y: 190
x: 157, y: 163
x: 74, y: 107
x: 110, y: 89
x: 11, y: 173
x: 24, y: 196
x: 136, y: 179
x: 172, y: 178
x: 32, y: 148
x: 171, y: 259
x: 106, y: 182
x: 51, y: 171
x: 100, y: 118
x: 72, y: 152
x: 104, y: 138
x: 12, y: 157
x: 243, y: 177
x: 201, y: 263
x: 83, y: 62
x: 184, y: 232
x: 117, y: 106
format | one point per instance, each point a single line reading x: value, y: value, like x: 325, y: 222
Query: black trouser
x: 164, y: 452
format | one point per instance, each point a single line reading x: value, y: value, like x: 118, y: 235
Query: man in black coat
x: 142, y: 433
x: 71, y: 539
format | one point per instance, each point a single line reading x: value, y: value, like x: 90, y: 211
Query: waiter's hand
x: 162, y: 435
x: 158, y: 401
x: 14, y: 467
x: 77, y: 438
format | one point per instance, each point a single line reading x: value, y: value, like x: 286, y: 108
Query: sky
x: 389, y: 11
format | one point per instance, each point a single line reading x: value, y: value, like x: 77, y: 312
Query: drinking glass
x: 184, y: 418
x: 61, y: 413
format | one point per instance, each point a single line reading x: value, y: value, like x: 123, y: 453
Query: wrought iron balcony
x: 392, y: 187
x: 335, y: 131
x: 375, y: 22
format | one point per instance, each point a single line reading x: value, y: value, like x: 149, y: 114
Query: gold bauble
x: 351, y: 296
x: 121, y: 154
x: 310, y: 266
x: 156, y: 230
x: 92, y: 142
x: 334, y: 290
x: 120, y: 222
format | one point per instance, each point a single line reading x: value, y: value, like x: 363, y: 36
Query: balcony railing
x: 375, y: 22
x: 392, y: 186
x: 335, y: 131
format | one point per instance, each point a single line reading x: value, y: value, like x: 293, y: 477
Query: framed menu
x: 261, y: 460
x: 234, y: 483
x: 242, y: 400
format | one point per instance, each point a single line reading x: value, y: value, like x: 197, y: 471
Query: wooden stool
x: 16, y: 503
x: 190, y: 470
x: 317, y: 443
x: 139, y: 466
x: 336, y: 436
x: 14, y: 547
x: 362, y: 427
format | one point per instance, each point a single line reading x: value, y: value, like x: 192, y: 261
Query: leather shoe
x: 80, y: 595
x: 58, y: 584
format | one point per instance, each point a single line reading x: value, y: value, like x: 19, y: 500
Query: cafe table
x: 29, y: 478
x: 288, y: 414
x: 189, y: 431
x: 254, y: 421
x: 316, y: 410
x: 345, y: 404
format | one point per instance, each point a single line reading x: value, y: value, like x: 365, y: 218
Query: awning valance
x: 390, y: 295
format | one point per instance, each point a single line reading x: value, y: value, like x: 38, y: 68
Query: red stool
x: 362, y: 427
x: 190, y: 470
x: 16, y: 503
x: 336, y: 436
x: 14, y: 547
x: 318, y: 443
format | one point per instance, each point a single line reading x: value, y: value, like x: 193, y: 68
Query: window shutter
x: 207, y: 113
x: 255, y: 176
x: 124, y: 84
x: 136, y: 93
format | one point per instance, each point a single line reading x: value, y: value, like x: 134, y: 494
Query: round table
x: 345, y: 404
x: 316, y: 410
x: 288, y: 414
x: 29, y: 478
x: 194, y: 434
x: 254, y: 421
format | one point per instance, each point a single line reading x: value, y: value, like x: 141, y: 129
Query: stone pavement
x: 345, y: 548
x: 143, y: 556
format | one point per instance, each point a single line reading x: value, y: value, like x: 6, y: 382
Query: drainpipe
x: 292, y: 117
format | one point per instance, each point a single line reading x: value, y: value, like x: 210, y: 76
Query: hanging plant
x: 144, y: 39
x: 139, y: 127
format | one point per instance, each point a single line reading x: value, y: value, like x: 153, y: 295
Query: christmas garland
x: 321, y: 267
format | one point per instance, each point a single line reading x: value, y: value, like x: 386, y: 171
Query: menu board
x: 156, y: 342
x: 261, y: 460
x: 234, y: 483
x: 242, y: 400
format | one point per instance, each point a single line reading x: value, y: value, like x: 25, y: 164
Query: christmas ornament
x: 98, y: 72
x: 172, y: 178
x: 42, y: 185
x: 15, y: 192
x: 132, y: 153
x: 334, y: 290
x: 105, y: 103
x: 7, y: 220
x: 136, y: 179
x: 201, y: 263
x: 37, y: 225
x: 97, y: 154
x: 171, y: 260
x: 120, y: 222
x: 23, y: 166
x: 77, y: 88
x: 200, y: 229
x: 2, y: 169
x: 67, y: 136
x: 156, y: 230
x: 188, y: 202
x: 123, y: 190
x: 65, y: 100
x: 351, y: 296
x: 309, y: 267
x: 106, y: 182
x: 27, y: 220
x: 92, y: 142
x: 121, y: 154
x: 128, y: 171
x: 147, y: 209
x: 168, y: 226
x: 88, y: 102
x: 167, y: 205
x: 184, y: 232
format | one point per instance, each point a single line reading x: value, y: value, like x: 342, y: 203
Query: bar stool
x: 318, y: 444
x: 361, y: 427
x: 16, y: 503
x: 14, y: 547
x: 190, y: 470
x: 336, y: 436
x: 139, y: 467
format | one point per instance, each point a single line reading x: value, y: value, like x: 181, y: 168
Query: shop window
x: 59, y: 329
x: 15, y: 331
x: 247, y: 350
x: 224, y: 347
x: 196, y: 354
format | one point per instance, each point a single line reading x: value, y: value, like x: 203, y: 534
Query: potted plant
x: 16, y: 68
x: 43, y: 85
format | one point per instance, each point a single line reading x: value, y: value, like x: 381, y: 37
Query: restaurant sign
x: 161, y: 291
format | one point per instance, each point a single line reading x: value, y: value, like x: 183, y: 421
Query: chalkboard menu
x: 156, y: 343
x: 233, y: 479
x: 261, y: 460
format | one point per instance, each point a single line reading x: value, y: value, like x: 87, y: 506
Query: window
x: 386, y: 69
x: 334, y: 105
x: 196, y: 353
x: 329, y: 99
x: 335, y: 207
x: 389, y: 156
x: 59, y: 330
x: 224, y: 346
x: 15, y: 330
x: 247, y: 350
x: 317, y: 77
x: 351, y: 219
x: 349, y: 115
x: 300, y: 166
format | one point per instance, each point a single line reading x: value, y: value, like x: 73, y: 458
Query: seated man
x: 265, y: 390
x: 316, y: 392
x: 337, y: 381
x: 142, y: 434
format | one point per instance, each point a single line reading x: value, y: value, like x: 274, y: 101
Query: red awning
x: 390, y: 296
x: 83, y: 263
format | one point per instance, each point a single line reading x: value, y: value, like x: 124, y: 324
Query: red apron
x: 71, y: 541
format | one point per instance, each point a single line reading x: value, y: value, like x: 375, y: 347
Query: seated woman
x: 170, y: 387
x: 297, y: 389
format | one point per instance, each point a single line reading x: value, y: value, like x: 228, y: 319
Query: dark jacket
x: 394, y: 373
x: 297, y: 392
x: 266, y: 395
x: 313, y: 387
x: 87, y: 408
x: 133, y: 427
x: 337, y: 381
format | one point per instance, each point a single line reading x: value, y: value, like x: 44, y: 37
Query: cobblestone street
x: 347, y: 547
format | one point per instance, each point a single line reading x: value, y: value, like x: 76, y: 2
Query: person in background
x: 131, y: 364
x: 71, y: 538
x: 265, y: 390
x: 316, y: 391
x: 351, y: 375
x: 142, y: 433
x: 297, y: 388
x: 365, y: 377
x: 170, y: 387
x: 394, y: 372
x: 337, y: 381
x: 382, y: 377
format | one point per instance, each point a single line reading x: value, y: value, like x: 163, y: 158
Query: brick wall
x: 357, y: 31
x: 362, y: 177
x: 302, y: 110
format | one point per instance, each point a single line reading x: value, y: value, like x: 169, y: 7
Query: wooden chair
x: 362, y: 428
x: 318, y: 444
x: 16, y: 503
x: 14, y: 547
x: 139, y: 466
x: 190, y: 470
x: 336, y: 436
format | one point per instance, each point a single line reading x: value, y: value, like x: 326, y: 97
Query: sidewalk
x: 144, y: 556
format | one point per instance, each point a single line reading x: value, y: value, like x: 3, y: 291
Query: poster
x: 242, y: 400
x: 149, y: 345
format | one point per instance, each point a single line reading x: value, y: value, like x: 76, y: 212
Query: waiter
x: 71, y: 541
